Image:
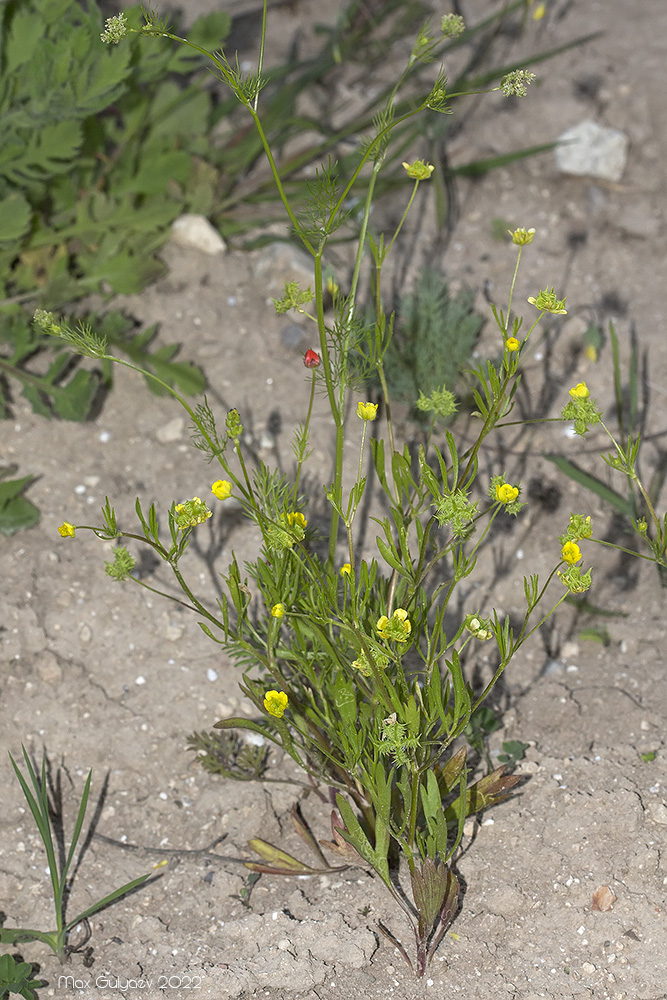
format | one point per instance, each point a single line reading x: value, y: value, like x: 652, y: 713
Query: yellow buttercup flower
x: 580, y: 391
x: 506, y: 493
x: 67, y: 530
x: 571, y: 553
x: 275, y: 703
x: 345, y: 569
x: 522, y: 237
x: 398, y: 627
x: 418, y: 170
x: 367, y: 411
x: 278, y: 610
x: 190, y: 513
x: 512, y: 344
x: 296, y: 517
x: 222, y: 489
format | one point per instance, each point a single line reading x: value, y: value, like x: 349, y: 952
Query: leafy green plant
x: 15, y: 977
x: 97, y: 163
x: 228, y: 755
x: 59, y: 861
x: 358, y: 663
x: 637, y: 506
x: 512, y: 752
x: 433, y: 340
x: 56, y: 384
x: 98, y: 150
x: 16, y: 511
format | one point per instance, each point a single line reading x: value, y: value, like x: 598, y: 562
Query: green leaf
x: 111, y: 898
x: 246, y: 724
x: 15, y: 216
x: 354, y: 835
x: 589, y: 482
x: 429, y: 889
x: 15, y: 511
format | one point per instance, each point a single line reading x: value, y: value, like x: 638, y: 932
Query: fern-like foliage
x: 433, y: 339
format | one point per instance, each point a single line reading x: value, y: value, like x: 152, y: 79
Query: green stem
x: 260, y: 58
x: 509, y: 301
x: 304, y: 439
x: 631, y: 473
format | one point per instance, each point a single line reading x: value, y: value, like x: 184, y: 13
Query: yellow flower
x: 418, y: 170
x: 296, y: 517
x: 67, y: 530
x: 222, y: 489
x: 363, y: 665
x: 397, y: 627
x: 278, y: 610
x: 571, y: 553
x: 275, y: 702
x: 345, y: 569
x: 591, y: 352
x: 512, y: 344
x: 506, y: 493
x: 580, y: 391
x: 546, y: 301
x: 539, y: 12
x: 522, y: 237
x: 190, y: 513
x: 367, y: 411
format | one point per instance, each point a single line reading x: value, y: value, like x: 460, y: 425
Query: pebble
x: 658, y: 812
x: 197, y: 232
x: 281, y: 262
x: 591, y: 150
x: 174, y: 632
x: 211, y: 674
x: 49, y: 669
x: 172, y: 431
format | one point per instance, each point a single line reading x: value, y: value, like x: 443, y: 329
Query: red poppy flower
x: 312, y: 359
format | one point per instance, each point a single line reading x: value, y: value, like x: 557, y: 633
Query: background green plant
x: 16, y: 977
x: 433, y: 340
x: 16, y: 511
x: 633, y: 507
x: 48, y: 819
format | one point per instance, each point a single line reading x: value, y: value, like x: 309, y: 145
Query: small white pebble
x: 212, y: 674
x: 104, y: 437
x: 80, y: 489
x: 163, y: 796
x: 140, y: 680
x: 519, y: 553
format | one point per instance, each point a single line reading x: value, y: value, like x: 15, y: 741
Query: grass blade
x: 589, y: 482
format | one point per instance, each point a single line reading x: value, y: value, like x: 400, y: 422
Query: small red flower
x: 312, y: 359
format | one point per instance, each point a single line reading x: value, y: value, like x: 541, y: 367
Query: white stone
x: 171, y: 431
x: 658, y: 812
x: 592, y: 150
x: 196, y: 231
